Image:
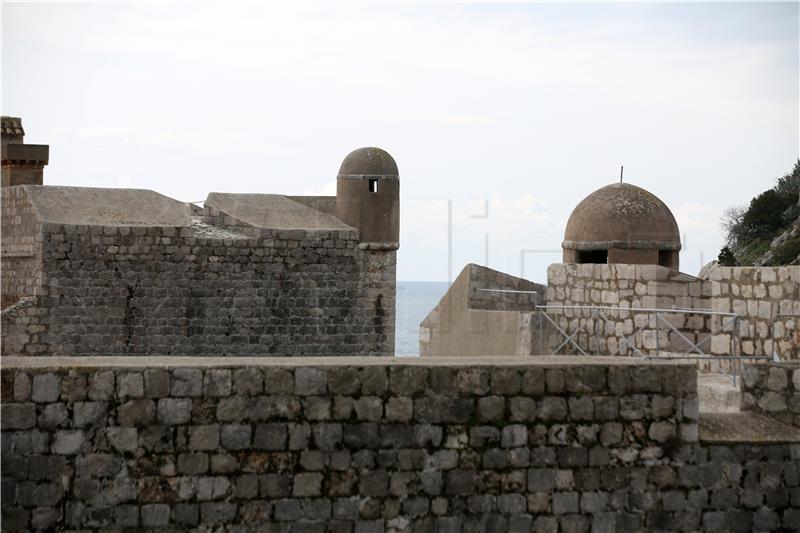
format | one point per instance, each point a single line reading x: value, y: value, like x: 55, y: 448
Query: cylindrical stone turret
x: 368, y: 197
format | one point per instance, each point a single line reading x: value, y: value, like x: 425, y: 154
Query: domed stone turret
x: 622, y: 223
x: 368, y: 197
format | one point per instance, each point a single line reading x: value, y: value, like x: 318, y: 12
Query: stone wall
x: 472, y: 318
x: 773, y: 389
x: 121, y: 290
x: 626, y: 286
x: 376, y: 445
x: 768, y: 300
x: 20, y: 253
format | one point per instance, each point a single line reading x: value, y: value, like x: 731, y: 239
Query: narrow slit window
x: 373, y: 185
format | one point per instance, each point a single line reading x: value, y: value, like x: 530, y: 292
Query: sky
x: 510, y: 113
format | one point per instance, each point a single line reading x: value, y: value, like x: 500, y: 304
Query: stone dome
x: 621, y: 217
x: 368, y: 161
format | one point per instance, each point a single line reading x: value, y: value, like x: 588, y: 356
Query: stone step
x: 717, y: 393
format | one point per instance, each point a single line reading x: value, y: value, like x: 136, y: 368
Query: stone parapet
x: 383, y: 444
x: 93, y: 443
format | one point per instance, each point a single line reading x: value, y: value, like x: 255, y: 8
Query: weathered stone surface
x: 474, y: 458
x: 271, y: 304
x: 46, y: 388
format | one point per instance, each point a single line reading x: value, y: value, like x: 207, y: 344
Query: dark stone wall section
x: 121, y: 290
x: 313, y: 447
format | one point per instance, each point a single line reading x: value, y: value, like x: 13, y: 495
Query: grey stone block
x: 130, y: 385
x: 565, y: 502
x: 124, y: 439
x: 310, y: 381
x: 139, y: 412
x: 174, y: 411
x: 204, y: 437
x: 18, y: 416
x: 514, y: 435
x: 68, y: 441
x: 270, y: 437
x: 155, y: 515
x: 217, y: 383
x: 156, y: 383
x: 307, y: 485
x: 187, y: 382
x: 46, y: 388
x: 235, y: 436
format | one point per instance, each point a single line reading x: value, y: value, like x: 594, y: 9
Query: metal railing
x: 693, y: 350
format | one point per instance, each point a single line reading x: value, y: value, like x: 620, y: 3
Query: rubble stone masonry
x: 768, y: 301
x: 376, y: 445
x: 201, y: 290
x: 773, y: 389
x: 626, y: 286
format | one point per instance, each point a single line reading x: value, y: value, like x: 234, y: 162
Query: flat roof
x: 96, y: 206
x: 273, y: 211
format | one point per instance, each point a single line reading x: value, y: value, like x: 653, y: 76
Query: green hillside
x: 766, y: 232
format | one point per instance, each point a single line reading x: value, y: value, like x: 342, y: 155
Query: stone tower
x: 23, y: 164
x: 368, y: 197
x: 622, y: 223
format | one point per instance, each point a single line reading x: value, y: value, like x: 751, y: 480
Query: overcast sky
x: 529, y: 107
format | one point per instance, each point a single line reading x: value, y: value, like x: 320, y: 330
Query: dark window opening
x: 373, y: 185
x: 665, y: 258
x: 593, y: 256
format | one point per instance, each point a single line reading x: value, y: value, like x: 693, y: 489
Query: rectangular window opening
x: 593, y: 256
x: 373, y: 185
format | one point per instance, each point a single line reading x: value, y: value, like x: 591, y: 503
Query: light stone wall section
x: 629, y: 287
x: 768, y: 300
x: 144, y: 290
x: 773, y: 389
x: 470, y: 320
x: 20, y: 251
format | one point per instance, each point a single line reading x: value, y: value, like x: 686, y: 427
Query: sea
x: 415, y: 299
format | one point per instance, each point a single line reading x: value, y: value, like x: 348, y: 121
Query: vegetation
x: 726, y: 257
x: 751, y: 230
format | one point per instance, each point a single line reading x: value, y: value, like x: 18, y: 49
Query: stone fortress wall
x: 116, y: 290
x: 474, y: 318
x: 95, y: 271
x: 19, y: 251
x: 766, y: 300
x: 538, y: 444
x: 352, y: 444
x: 628, y: 287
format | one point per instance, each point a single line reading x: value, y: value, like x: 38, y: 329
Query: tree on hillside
x: 749, y: 230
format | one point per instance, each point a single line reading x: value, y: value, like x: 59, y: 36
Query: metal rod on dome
x: 620, y: 173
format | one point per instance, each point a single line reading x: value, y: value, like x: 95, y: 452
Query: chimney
x: 23, y: 164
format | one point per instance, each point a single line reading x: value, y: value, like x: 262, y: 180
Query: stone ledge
x: 745, y: 428
x: 155, y: 361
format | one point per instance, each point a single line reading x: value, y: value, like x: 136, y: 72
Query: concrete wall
x: 20, y: 253
x: 768, y: 300
x: 773, y: 389
x: 118, y: 290
x: 469, y: 321
x: 627, y: 286
x: 377, y: 445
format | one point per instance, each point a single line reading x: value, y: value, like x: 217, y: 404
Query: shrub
x: 726, y: 257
